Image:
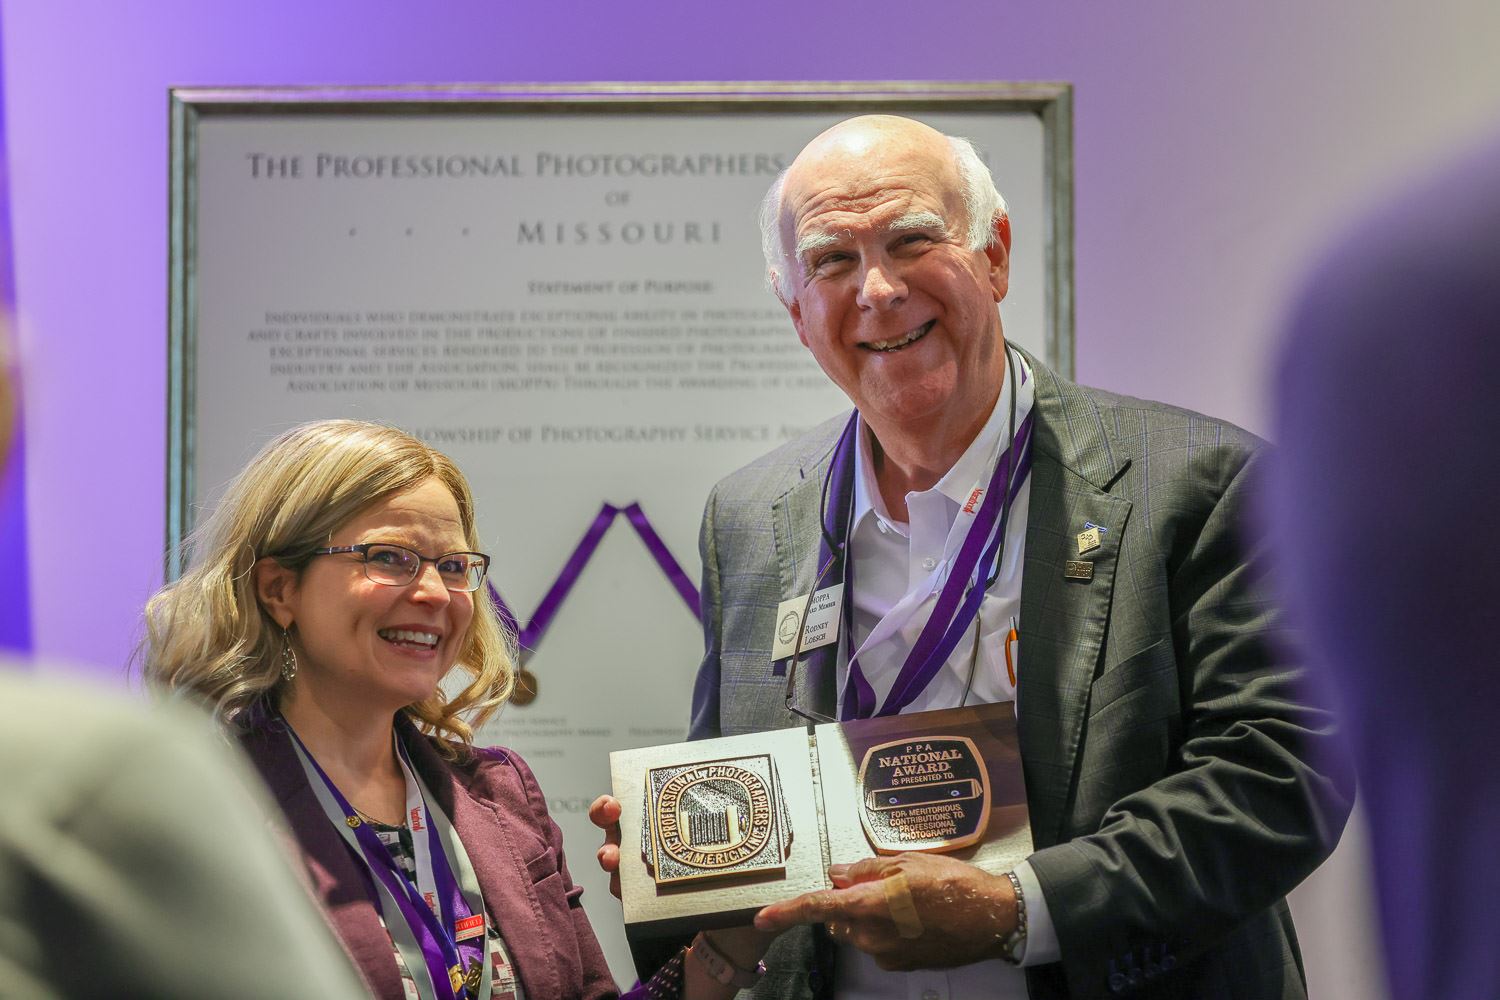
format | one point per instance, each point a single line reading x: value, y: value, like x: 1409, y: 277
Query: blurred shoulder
x: 77, y: 728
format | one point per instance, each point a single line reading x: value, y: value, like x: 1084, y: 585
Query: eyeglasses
x: 397, y: 565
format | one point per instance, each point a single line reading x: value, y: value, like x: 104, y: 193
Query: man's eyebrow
x: 814, y: 241
x: 912, y: 220
x: 919, y: 220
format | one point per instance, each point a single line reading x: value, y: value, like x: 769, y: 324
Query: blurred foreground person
x: 134, y: 861
x: 1385, y: 486
x: 334, y: 591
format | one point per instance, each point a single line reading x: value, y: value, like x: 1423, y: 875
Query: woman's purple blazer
x: 500, y: 815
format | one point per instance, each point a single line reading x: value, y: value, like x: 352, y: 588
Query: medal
x: 524, y: 691
x: 715, y: 819
x: 924, y: 793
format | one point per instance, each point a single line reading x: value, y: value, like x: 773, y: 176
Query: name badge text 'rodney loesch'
x: 929, y: 793
x: 820, y: 624
x: 715, y: 819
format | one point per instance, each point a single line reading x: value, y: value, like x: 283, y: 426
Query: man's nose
x: 881, y: 286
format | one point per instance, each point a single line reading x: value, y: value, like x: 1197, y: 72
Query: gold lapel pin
x: 1089, y: 540
x: 1078, y: 569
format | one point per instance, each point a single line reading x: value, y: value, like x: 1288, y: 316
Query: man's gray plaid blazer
x: 1168, y: 748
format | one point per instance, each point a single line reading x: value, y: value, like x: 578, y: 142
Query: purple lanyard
x: 958, y: 602
x: 446, y: 958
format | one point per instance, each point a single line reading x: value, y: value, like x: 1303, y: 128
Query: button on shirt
x: 899, y: 570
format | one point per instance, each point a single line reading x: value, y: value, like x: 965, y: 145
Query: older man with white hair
x: 1167, y: 749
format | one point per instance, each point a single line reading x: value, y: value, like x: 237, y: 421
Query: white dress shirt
x: 899, y: 570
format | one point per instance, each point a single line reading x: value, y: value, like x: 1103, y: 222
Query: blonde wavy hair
x: 207, y: 635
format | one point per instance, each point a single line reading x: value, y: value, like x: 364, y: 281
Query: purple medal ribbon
x: 433, y: 931
x: 663, y: 556
x: 944, y: 628
x: 529, y: 636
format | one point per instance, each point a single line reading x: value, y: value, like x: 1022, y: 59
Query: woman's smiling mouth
x: 410, y: 638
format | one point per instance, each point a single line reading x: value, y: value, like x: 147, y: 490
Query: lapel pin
x: 1089, y: 540
x: 1078, y: 569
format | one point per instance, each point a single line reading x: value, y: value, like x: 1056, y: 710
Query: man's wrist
x: 1013, y: 945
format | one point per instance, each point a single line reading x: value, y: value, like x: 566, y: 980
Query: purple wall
x: 15, y: 575
x: 1212, y: 148
x: 1215, y: 145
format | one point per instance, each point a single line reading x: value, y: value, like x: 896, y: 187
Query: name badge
x: 820, y: 627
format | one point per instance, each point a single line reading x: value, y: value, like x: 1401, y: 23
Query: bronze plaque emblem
x: 715, y: 819
x: 928, y: 793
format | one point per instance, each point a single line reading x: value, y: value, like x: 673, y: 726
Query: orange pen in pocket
x: 1010, y: 664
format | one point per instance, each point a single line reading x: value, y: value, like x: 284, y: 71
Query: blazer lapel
x: 798, y: 545
x: 1063, y: 620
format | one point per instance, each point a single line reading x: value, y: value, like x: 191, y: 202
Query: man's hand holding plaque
x: 604, y: 812
x: 943, y: 913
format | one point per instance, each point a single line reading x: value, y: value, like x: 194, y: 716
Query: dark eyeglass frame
x: 471, y: 582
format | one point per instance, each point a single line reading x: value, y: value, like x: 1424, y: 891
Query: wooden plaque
x: 714, y: 830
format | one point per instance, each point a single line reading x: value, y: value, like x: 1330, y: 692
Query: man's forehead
x: 883, y: 187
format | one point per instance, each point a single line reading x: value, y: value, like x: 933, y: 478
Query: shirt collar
x: 972, y: 466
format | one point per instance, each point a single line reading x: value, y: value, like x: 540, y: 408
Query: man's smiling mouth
x: 902, y: 341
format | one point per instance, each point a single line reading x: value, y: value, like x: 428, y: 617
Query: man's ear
x: 793, y: 308
x: 998, y: 254
x: 276, y: 588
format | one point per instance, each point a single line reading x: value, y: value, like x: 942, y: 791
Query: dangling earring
x: 288, y: 657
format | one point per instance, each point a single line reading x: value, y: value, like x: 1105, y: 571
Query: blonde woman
x: 337, y: 586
